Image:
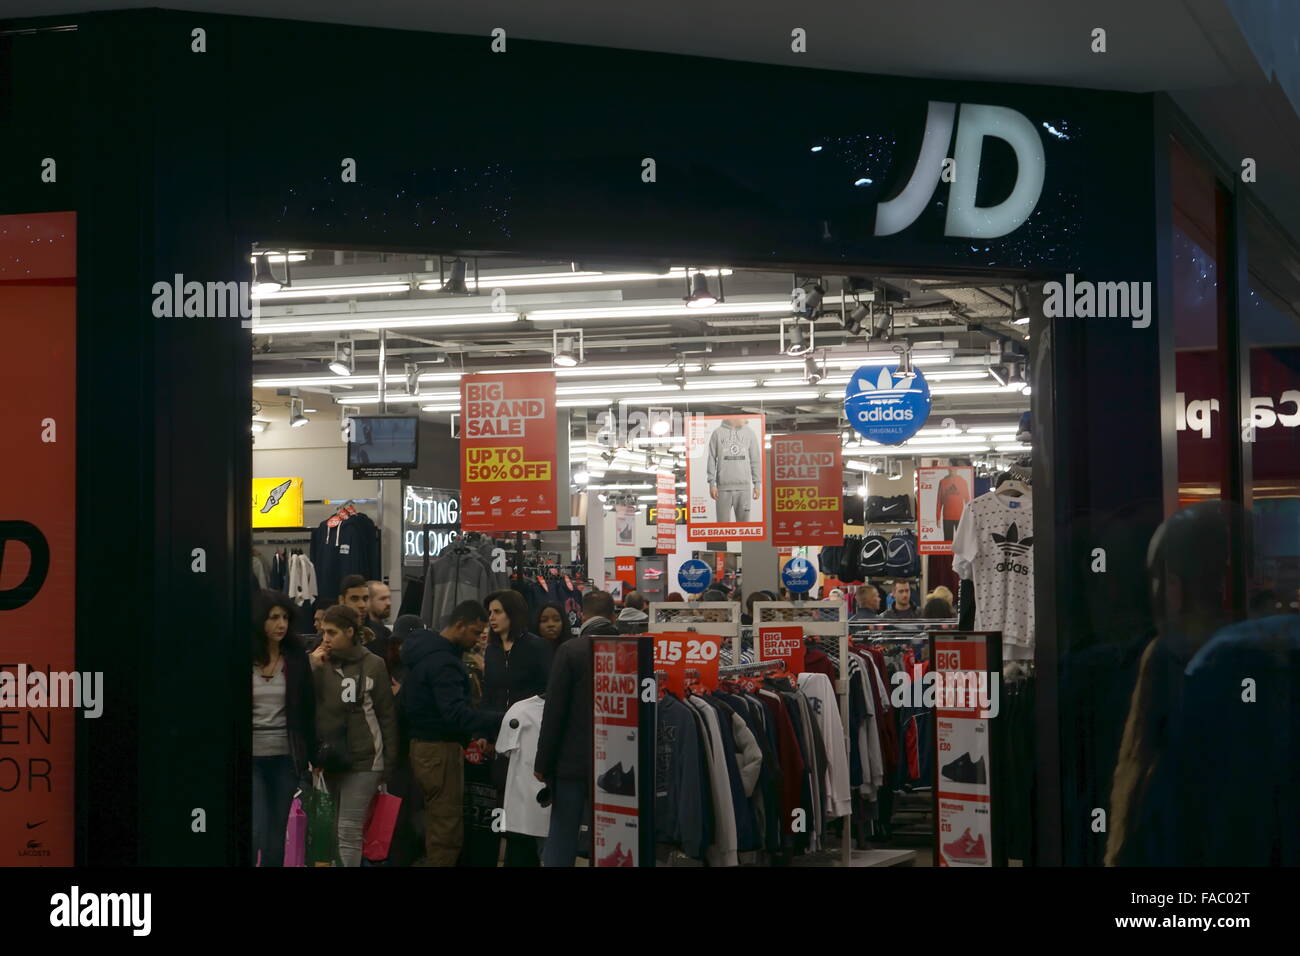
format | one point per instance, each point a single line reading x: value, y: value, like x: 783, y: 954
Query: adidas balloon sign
x: 798, y: 575
x: 694, y: 576
x: 887, y: 406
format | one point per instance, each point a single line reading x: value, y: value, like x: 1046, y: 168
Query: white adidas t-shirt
x: 994, y: 548
x: 518, y: 740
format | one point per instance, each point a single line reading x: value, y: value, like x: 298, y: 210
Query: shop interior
x: 637, y: 347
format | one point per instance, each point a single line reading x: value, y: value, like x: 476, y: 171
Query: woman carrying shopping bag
x: 356, y: 725
x: 284, y: 722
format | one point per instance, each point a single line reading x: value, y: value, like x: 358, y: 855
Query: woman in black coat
x: 516, y: 666
x: 284, y: 721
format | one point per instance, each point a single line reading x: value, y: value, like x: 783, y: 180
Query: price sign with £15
x: 677, y: 652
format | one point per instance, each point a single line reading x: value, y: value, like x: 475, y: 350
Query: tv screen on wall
x: 383, y: 441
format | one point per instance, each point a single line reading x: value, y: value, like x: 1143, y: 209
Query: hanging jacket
x: 370, y: 719
x: 632, y: 621
x: 457, y: 575
x: 822, y: 698
x: 681, y: 788
x: 349, y: 547
x: 722, y: 851
x: 302, y: 580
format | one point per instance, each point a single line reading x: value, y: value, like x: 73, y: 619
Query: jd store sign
x: 962, y: 171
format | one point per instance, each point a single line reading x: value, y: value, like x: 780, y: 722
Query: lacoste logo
x: 886, y: 385
x: 33, y: 826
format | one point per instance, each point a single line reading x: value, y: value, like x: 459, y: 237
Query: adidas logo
x: 885, y: 384
x: 1012, y: 547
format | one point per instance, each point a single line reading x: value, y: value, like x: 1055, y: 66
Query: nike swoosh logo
x: 33, y: 826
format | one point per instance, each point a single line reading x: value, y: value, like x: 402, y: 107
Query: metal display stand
x: 819, y: 619
x: 721, y: 618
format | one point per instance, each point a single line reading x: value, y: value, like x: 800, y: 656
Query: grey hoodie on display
x: 632, y: 621
x: 732, y: 467
x: 458, y: 575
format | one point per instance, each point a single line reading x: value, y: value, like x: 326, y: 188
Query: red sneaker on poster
x: 966, y: 849
x: 653, y: 574
x: 618, y: 857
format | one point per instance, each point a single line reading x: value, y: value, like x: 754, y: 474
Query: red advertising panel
x: 507, y: 448
x: 678, y: 652
x: 942, y: 495
x: 666, y: 514
x: 807, y: 490
x: 616, y: 754
x: 965, y: 702
x: 625, y: 571
x: 725, y: 478
x: 40, y: 692
x: 783, y: 643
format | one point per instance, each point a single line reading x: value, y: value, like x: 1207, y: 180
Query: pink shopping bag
x: 380, y: 823
x: 295, y: 836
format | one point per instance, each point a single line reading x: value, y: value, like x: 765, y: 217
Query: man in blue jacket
x: 441, y: 720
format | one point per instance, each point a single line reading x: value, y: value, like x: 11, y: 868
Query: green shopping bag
x: 322, y: 826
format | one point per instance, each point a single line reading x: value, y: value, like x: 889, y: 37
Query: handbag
x: 295, y: 836
x: 333, y: 755
x: 381, y: 821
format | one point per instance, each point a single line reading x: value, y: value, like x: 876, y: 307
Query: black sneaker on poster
x: 618, y: 781
x: 963, y: 770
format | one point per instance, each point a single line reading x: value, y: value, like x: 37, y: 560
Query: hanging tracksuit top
x: 732, y: 463
x: 952, y: 497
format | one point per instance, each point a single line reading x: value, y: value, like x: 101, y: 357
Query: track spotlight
x: 904, y: 359
x: 264, y: 280
x: 411, y: 371
x: 797, y: 343
x: 582, y: 476
x: 454, y: 281
x: 699, y: 296
x: 296, y: 418
x: 880, y: 323
x: 567, y: 347
x: 812, y: 372
x: 807, y: 300
x: 344, y: 361
x: 1019, y: 306
x: 854, y: 323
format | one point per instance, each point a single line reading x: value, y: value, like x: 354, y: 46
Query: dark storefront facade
x: 175, y: 161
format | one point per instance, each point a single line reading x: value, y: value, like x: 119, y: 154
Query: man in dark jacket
x: 441, y: 720
x: 564, y: 743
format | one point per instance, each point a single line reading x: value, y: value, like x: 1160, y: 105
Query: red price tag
x: 676, y: 652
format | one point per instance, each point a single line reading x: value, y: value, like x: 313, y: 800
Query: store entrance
x: 700, y: 429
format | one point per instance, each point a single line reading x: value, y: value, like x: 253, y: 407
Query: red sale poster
x: 965, y: 700
x: 666, y: 514
x: 507, y: 447
x: 38, y: 540
x: 725, y: 478
x: 783, y: 643
x: 616, y: 763
x: 678, y: 652
x: 942, y: 495
x: 807, y: 490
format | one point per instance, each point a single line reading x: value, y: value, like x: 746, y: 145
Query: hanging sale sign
x: 666, y: 507
x: 725, y: 477
x: 807, y: 490
x: 507, y: 447
x: 784, y: 643
x: 942, y: 495
x: 685, y: 657
x: 622, y: 756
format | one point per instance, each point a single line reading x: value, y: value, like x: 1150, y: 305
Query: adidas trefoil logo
x: 886, y: 385
x: 1012, y: 547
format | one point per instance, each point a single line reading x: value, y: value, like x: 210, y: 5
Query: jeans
x: 352, y: 793
x: 568, y: 814
x: 274, y: 783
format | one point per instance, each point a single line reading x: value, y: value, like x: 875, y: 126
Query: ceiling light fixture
x: 797, y: 345
x: 264, y: 280
x: 881, y: 323
x: 812, y: 372
x: 1020, y: 306
x: 568, y: 348
x: 296, y: 418
x: 698, y: 295
x: 344, y: 361
x: 453, y: 282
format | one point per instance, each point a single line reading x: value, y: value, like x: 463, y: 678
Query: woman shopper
x: 356, y: 724
x: 551, y: 626
x: 284, y: 722
x: 516, y: 666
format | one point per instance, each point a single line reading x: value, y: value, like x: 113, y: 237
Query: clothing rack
x: 756, y: 667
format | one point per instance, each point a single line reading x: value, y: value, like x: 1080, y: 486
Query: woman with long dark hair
x: 516, y: 666
x: 356, y: 723
x: 284, y: 721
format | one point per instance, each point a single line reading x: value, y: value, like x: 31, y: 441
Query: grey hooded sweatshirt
x: 733, y: 462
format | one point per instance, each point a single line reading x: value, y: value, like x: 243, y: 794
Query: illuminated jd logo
x: 964, y: 217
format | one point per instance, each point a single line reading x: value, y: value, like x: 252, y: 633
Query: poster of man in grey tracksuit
x: 732, y: 469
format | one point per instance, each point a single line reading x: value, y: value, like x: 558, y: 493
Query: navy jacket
x: 682, y: 796
x: 435, y: 697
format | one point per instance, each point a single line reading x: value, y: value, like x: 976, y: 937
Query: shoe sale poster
x: 623, y: 738
x: 942, y: 495
x: 807, y: 490
x: 41, y: 695
x: 965, y: 711
x: 725, y: 477
x: 507, y: 452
